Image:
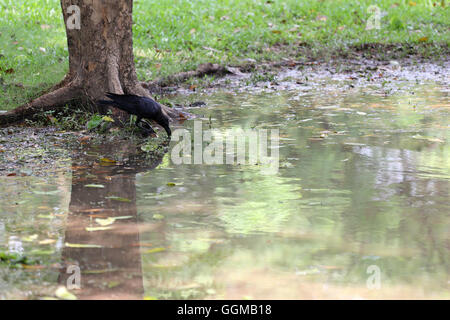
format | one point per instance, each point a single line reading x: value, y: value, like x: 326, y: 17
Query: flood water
x: 359, y: 208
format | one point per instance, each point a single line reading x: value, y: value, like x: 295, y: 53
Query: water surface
x: 363, y: 185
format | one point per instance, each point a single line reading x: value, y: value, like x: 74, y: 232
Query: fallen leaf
x: 45, y: 216
x: 108, y: 119
x: 430, y: 139
x: 106, y: 160
x: 99, y: 271
x: 113, y: 284
x: 105, y: 222
x: 110, y: 220
x: 46, y: 192
x: 122, y: 217
x: 100, y: 186
x: 47, y: 241
x: 93, y: 210
x: 118, y: 199
x: 33, y: 267
x: 80, y: 245
x: 155, y: 250
x: 63, y: 293
x: 158, y: 216
x: 30, y: 238
x: 91, y: 229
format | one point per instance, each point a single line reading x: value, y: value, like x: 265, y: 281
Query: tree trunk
x: 100, y: 58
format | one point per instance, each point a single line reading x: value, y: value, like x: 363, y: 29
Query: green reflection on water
x: 363, y: 181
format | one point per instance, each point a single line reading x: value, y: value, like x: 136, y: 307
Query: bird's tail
x: 118, y: 101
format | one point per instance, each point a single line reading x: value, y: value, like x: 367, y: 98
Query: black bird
x: 142, y: 107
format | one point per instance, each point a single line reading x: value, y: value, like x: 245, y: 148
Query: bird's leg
x: 148, y: 128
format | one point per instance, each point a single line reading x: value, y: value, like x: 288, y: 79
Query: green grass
x: 176, y: 35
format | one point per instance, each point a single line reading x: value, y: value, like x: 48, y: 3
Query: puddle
x: 363, y: 187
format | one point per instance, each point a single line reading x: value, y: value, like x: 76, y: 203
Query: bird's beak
x: 169, y: 132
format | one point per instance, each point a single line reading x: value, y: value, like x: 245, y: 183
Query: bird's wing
x: 128, y: 102
x: 149, y: 108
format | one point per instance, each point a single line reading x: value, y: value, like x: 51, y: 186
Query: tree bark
x: 100, y: 59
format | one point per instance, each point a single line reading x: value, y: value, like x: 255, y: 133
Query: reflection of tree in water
x: 397, y: 203
x: 114, y: 270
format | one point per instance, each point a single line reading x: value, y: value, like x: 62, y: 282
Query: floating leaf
x: 106, y: 160
x: 63, y: 293
x: 155, y: 250
x: 45, y: 216
x: 430, y: 139
x: 100, y: 186
x: 110, y: 220
x: 91, y: 229
x: 81, y: 245
x: 30, y: 238
x: 47, y: 241
x: 123, y: 217
x: 41, y: 252
x: 113, y: 284
x: 118, y: 199
x: 105, y: 222
x: 46, y: 192
x: 99, y: 271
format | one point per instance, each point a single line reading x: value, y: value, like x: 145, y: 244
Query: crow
x: 142, y: 107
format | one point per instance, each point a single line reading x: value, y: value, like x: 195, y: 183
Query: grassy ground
x: 177, y: 35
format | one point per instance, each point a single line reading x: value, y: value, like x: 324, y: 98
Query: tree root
x: 202, y: 70
x: 49, y: 101
x: 156, y: 87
